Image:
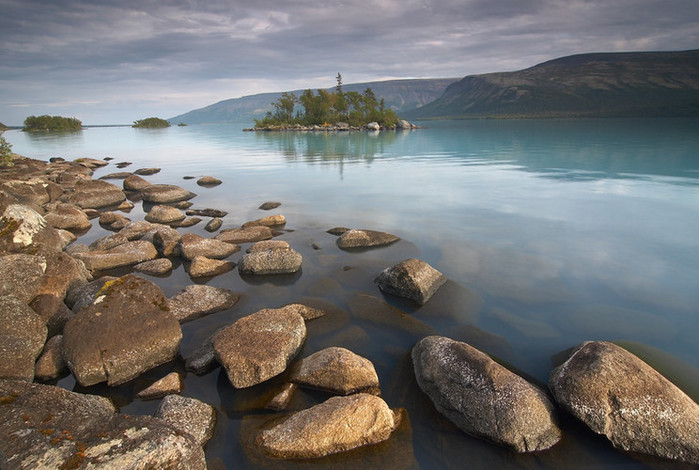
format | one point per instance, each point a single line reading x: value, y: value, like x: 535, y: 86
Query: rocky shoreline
x: 336, y: 127
x: 62, y: 313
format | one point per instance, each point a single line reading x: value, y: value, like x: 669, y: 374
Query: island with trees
x: 328, y: 110
x: 151, y: 123
x: 51, y: 123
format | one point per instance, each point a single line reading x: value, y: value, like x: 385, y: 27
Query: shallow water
x: 551, y: 233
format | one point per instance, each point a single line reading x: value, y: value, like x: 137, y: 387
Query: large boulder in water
x: 273, y: 261
x: 412, y: 278
x: 259, y: 346
x: 482, y: 397
x: 365, y: 238
x: 337, y: 370
x: 125, y: 332
x: 336, y: 425
x: 20, y: 275
x: 93, y: 194
x: 63, y: 429
x: 164, y: 193
x: 618, y: 395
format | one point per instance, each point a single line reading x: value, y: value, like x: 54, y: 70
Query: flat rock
x: 164, y: 193
x: 164, y: 215
x: 113, y: 221
x: 336, y: 425
x: 202, y: 266
x: 154, y: 267
x: 365, y: 238
x: 208, y: 181
x: 168, y: 385
x: 618, y: 395
x: 275, y: 261
x: 483, y: 398
x: 192, y: 245
x: 269, y: 245
x: 337, y: 370
x: 196, y: 301
x: 307, y: 312
x: 213, y: 224
x: 120, y: 175
x: 125, y: 332
x: 188, y: 415
x: 136, y: 230
x: 127, y: 254
x: 268, y: 206
x: 207, y: 212
x: 259, y: 346
x: 188, y: 222
x: 135, y: 183
x: 108, y: 242
x: 50, y: 365
x: 20, y: 275
x: 26, y: 192
x: 94, y: 194
x: 91, y: 163
x: 146, y: 171
x: 63, y: 429
x: 269, y: 221
x: 412, y: 278
x: 68, y: 217
x: 245, y: 235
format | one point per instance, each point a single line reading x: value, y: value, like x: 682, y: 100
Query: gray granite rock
x: 336, y: 370
x: 208, y: 181
x: 22, y: 337
x: 618, y: 395
x: 95, y: 194
x: 162, y: 214
x: 274, y: 261
x: 113, y: 221
x: 22, y: 229
x: 154, y: 267
x: 188, y: 415
x: 20, y: 275
x: 108, y: 242
x: 168, y: 385
x: 483, y: 398
x: 365, y: 238
x: 53, y: 311
x: 197, y: 300
x: 127, y: 254
x: 193, y: 245
x: 412, y: 278
x: 259, y: 346
x: 68, y: 217
x: 245, y: 235
x: 269, y: 221
x: 201, y: 266
x: 164, y: 193
x: 213, y: 224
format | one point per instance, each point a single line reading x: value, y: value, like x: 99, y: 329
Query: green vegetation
x: 5, y: 152
x: 52, y: 123
x: 151, y: 123
x: 324, y: 108
x: 3, y: 126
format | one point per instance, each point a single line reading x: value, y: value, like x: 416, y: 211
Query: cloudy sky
x: 115, y: 61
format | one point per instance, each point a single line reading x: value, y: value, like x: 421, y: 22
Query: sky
x: 116, y: 61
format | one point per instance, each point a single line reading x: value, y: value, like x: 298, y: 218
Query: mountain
x: 594, y: 85
x: 400, y: 95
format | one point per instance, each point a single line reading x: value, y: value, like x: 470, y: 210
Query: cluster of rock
x: 55, y: 319
x: 336, y: 127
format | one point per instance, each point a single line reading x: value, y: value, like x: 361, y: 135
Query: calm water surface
x: 551, y: 233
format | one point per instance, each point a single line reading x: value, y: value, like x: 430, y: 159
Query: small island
x: 51, y: 123
x: 324, y: 110
x: 151, y: 123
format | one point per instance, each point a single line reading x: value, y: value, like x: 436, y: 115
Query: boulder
x: 337, y: 370
x: 213, y: 225
x: 108, y: 242
x: 403, y: 124
x: 268, y: 206
x: 245, y: 235
x: 63, y: 429
x: 26, y: 192
x: 113, y: 221
x: 22, y: 229
x: 146, y: 171
x: 20, y: 275
x: 136, y: 230
x: 197, y: 300
x: 208, y: 212
x: 91, y: 163
x: 201, y: 266
x: 208, y: 181
x: 483, y: 398
x: 203, y: 359
x: 188, y: 222
x: 618, y: 395
x: 307, y: 312
x: 53, y: 311
x: 68, y: 217
x: 168, y: 385
x: 192, y: 245
x: 50, y: 365
x: 83, y: 295
x: 62, y: 273
x: 120, y: 175
x: 125, y: 332
x: 164, y: 193
x: 135, y: 183
x: 154, y: 267
x: 94, y: 194
x: 165, y: 239
x: 373, y: 126
x: 269, y: 221
x: 164, y: 215
x: 365, y: 238
x: 412, y: 278
x: 188, y: 415
x: 22, y: 337
x: 123, y: 255
x: 274, y: 261
x: 259, y: 346
x: 268, y: 245
x: 336, y: 425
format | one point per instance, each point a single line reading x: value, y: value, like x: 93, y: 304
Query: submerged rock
x: 259, y: 346
x: 412, y: 278
x: 269, y: 221
x: 336, y: 425
x: 208, y: 181
x: 268, y: 206
x: 616, y: 394
x: 337, y: 370
x: 482, y: 397
x: 213, y: 224
x: 365, y: 239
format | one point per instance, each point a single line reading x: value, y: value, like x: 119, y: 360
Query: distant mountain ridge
x: 399, y: 95
x: 584, y: 85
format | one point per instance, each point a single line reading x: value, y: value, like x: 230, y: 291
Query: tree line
x: 329, y: 107
x: 51, y: 123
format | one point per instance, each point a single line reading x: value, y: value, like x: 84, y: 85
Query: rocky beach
x: 304, y: 385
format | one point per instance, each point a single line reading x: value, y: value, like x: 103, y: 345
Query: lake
x: 551, y: 232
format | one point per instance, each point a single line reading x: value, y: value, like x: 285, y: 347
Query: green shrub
x: 52, y: 123
x: 5, y: 152
x: 151, y: 123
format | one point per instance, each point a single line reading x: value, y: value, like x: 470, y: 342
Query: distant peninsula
x: 635, y: 84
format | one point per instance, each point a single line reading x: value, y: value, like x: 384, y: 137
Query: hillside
x: 586, y: 85
x: 399, y: 95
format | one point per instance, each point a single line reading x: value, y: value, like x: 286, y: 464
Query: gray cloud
x: 107, y: 62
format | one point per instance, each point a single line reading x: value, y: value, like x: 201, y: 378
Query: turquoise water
x: 551, y: 233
